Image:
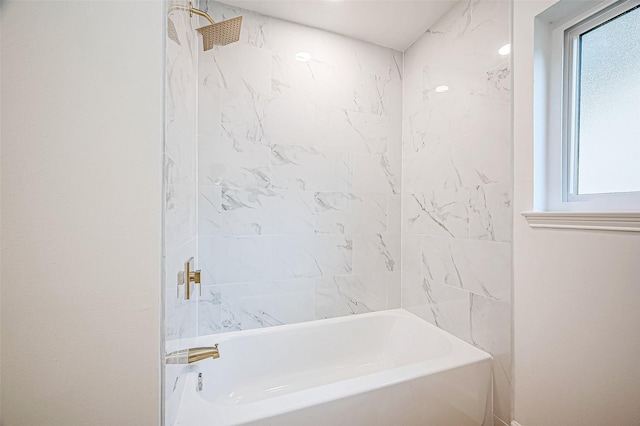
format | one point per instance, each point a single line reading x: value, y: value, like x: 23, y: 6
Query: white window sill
x: 602, y: 221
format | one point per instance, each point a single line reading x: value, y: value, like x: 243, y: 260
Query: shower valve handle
x: 187, y: 277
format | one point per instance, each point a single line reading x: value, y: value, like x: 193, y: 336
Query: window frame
x: 561, y: 164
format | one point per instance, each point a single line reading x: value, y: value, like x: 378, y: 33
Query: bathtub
x: 381, y: 368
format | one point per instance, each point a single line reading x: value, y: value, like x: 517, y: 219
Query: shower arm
x: 191, y: 11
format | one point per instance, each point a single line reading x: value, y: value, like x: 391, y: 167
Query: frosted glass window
x: 607, y: 141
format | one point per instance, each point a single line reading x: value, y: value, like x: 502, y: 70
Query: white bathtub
x: 383, y: 368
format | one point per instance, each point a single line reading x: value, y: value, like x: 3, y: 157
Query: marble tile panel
x: 394, y: 290
x: 350, y: 294
x: 210, y: 310
x: 238, y: 67
x: 209, y: 104
x: 243, y: 116
x: 490, y: 213
x: 379, y: 82
x: 356, y: 132
x: 294, y: 257
x: 209, y: 210
x: 314, y: 81
x: 290, y: 213
x: 411, y: 254
x: 377, y: 174
x: 234, y: 259
x: 180, y: 208
x: 442, y: 305
x: 438, y: 213
x: 265, y: 304
x: 480, y: 267
x: 484, y: 267
x: 243, y: 210
x: 438, y: 262
x: 233, y: 162
x: 376, y: 253
x: 394, y: 214
x: 348, y: 213
x: 309, y: 169
x: 491, y: 331
x: 292, y: 122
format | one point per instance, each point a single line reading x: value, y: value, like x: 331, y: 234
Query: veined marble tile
x: 484, y: 267
x: 264, y: 304
x: 238, y: 67
x: 438, y: 213
x: 442, y: 305
x: 491, y: 213
x: 438, y: 262
x: 315, y: 81
x: 290, y: 213
x: 309, y: 169
x: 291, y: 122
x: 209, y: 210
x: 394, y: 214
x: 480, y: 267
x: 256, y: 211
x: 233, y: 162
x: 180, y: 145
x: 210, y: 311
x: 394, y: 290
x: 379, y: 82
x: 357, y: 132
x: 243, y: 116
x: 377, y: 174
x: 295, y: 257
x: 243, y: 211
x: 350, y: 294
x: 229, y: 259
x: 348, y: 213
x: 376, y: 253
x: 209, y: 110
x: 491, y: 331
x: 411, y: 254
x: 180, y: 212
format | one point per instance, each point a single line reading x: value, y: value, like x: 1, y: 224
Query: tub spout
x: 191, y: 355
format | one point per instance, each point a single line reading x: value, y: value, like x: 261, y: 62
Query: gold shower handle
x: 187, y: 277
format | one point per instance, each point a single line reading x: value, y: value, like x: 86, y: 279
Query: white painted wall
x: 81, y: 212
x: 576, y: 294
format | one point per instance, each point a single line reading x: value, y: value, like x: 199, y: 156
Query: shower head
x: 221, y: 33
x: 218, y: 33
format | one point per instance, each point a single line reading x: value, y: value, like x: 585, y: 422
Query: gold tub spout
x: 191, y: 355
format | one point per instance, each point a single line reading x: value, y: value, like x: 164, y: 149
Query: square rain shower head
x: 221, y: 33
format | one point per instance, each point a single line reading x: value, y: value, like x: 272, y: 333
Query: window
x: 592, y: 109
x: 602, y: 103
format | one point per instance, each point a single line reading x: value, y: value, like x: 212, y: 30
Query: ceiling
x: 390, y: 23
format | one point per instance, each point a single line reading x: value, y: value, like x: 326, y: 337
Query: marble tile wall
x: 456, y: 183
x: 299, y: 184
x: 180, y: 233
